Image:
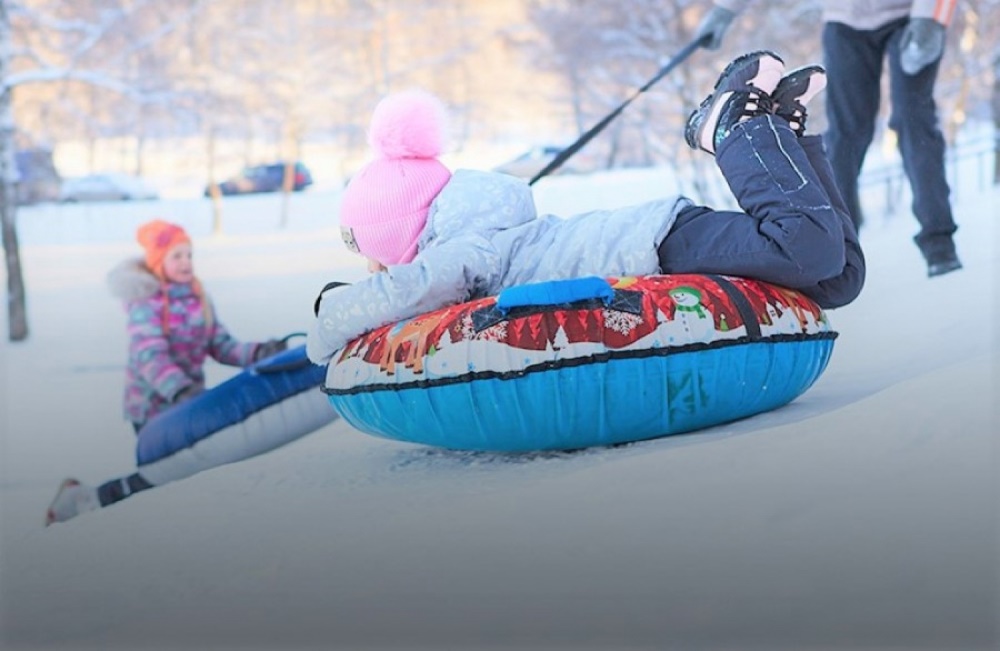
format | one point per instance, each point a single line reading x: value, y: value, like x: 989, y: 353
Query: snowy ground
x: 862, y: 515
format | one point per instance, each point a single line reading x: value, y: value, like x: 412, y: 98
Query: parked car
x: 106, y: 187
x: 265, y: 178
x: 534, y: 161
x: 36, y: 178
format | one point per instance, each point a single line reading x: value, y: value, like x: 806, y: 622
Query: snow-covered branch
x: 92, y: 77
x: 148, y: 40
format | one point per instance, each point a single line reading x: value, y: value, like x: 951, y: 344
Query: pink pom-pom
x: 409, y: 124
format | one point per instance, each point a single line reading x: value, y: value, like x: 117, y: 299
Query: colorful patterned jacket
x: 162, y: 363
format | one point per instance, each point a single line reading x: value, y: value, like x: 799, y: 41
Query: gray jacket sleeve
x: 443, y: 275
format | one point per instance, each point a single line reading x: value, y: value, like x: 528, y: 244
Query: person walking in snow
x: 857, y: 38
x: 433, y: 238
x: 172, y: 329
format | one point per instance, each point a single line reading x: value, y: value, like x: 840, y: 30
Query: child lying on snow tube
x: 433, y: 238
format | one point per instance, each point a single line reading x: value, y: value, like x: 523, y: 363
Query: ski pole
x: 561, y: 158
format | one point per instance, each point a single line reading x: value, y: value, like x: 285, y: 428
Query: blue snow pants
x: 853, y: 60
x: 794, y: 230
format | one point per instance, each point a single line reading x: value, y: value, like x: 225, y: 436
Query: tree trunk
x: 996, y: 120
x: 291, y: 146
x: 140, y: 147
x: 213, y: 186
x: 17, y: 314
x: 287, y: 183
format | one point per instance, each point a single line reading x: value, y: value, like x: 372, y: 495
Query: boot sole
x: 741, y: 61
x: 801, y: 84
x: 941, y: 268
x: 767, y: 74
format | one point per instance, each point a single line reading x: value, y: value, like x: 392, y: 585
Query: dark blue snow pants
x: 794, y: 230
x: 853, y: 61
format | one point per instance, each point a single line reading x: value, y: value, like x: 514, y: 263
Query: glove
x: 186, y: 393
x: 713, y: 27
x: 921, y: 45
x: 268, y: 348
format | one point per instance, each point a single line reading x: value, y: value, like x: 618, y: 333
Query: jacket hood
x: 130, y: 280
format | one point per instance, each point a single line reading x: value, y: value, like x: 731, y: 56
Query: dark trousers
x: 794, y: 230
x: 853, y: 61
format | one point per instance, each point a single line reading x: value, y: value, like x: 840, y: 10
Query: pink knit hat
x: 384, y: 208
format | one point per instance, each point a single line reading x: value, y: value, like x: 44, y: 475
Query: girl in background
x: 172, y: 329
x: 172, y: 325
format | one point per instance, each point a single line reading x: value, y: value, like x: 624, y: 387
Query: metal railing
x: 969, y: 166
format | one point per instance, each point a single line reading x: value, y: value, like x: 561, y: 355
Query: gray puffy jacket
x: 483, y: 235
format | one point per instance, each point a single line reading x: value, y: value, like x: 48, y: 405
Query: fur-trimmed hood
x: 131, y: 280
x: 171, y: 329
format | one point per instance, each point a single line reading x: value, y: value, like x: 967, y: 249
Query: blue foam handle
x: 556, y: 292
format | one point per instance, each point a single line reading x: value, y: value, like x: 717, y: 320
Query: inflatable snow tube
x: 587, y: 362
x: 265, y: 406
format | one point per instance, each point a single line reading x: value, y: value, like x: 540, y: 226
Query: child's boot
x: 743, y: 91
x: 793, y: 93
x: 72, y: 499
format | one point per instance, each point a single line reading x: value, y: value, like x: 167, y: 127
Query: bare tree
x: 609, y: 49
x: 16, y: 309
x: 977, y: 62
x: 995, y: 106
x: 38, y: 45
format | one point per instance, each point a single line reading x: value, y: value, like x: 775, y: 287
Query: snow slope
x: 862, y: 515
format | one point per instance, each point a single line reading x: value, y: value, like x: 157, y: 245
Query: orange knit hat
x: 157, y: 238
